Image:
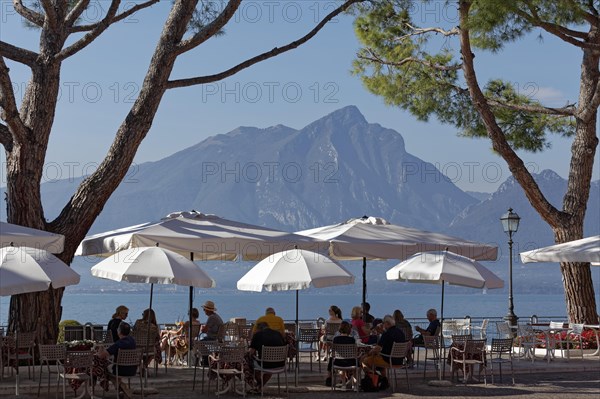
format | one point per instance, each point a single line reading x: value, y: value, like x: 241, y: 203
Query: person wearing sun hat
x: 213, y: 321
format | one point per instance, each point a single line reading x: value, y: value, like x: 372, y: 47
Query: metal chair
x: 331, y: 330
x: 245, y: 332
x: 503, y: 329
x: 78, y: 366
x: 202, y: 350
x: 473, y: 353
x: 345, y: 352
x: 461, y: 338
x: 145, y: 342
x: 501, y: 351
x: 220, y: 365
x: 400, y: 350
x: 527, y: 340
x: 128, y: 358
x: 433, y: 352
x: 310, y: 338
x: 574, y: 335
x: 74, y: 333
x: 272, y: 354
x: 25, y: 350
x: 482, y: 328
x: 51, y: 355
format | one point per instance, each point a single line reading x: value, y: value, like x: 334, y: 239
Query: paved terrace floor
x: 560, y: 378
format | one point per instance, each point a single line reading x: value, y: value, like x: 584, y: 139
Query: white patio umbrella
x: 440, y: 267
x: 13, y: 235
x: 24, y: 270
x: 153, y: 265
x: 583, y: 250
x: 294, y: 269
x: 374, y: 238
x: 199, y: 236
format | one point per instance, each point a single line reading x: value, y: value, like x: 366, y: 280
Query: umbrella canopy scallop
x: 294, y: 269
x: 152, y: 265
x: 24, y: 270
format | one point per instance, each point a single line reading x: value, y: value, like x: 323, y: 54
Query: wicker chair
x: 220, y: 365
x: 310, y: 338
x: 77, y: 366
x: 128, y: 358
x: 26, y: 342
x: 433, y: 352
x: 473, y: 353
x: 202, y: 350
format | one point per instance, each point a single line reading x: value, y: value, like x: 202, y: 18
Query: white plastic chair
x: 399, y: 350
x: 345, y: 352
x: 272, y: 354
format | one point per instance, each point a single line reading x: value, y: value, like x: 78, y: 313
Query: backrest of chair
x: 576, y: 328
x: 474, y: 346
x: 306, y: 324
x: 231, y: 354
x: 51, y: 353
x: 107, y: 337
x: 504, y: 330
x: 461, y: 338
x: 308, y: 335
x: 274, y: 353
x: 431, y: 341
x: 332, y: 328
x: 129, y: 357
x: 399, y: 350
x: 484, y: 324
x: 74, y: 333
x: 205, y: 348
x: 80, y: 360
x: 501, y: 345
x: 344, y: 351
x: 245, y: 331
x: 290, y: 327
x: 232, y: 331
x: 407, y: 331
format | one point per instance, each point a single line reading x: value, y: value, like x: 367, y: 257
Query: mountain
x: 336, y: 168
x: 483, y: 219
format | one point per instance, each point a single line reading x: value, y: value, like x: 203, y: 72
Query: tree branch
x: 51, y: 15
x: 76, y: 12
x: 6, y: 138
x: 10, y: 112
x: 17, y: 54
x: 375, y: 58
x: 93, y: 34
x: 421, y: 31
x: 568, y: 35
x: 568, y: 110
x: 117, y: 18
x: 264, y: 56
x: 209, y: 30
x: 32, y: 16
x: 547, y: 211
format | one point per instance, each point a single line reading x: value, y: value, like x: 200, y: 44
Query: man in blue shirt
x: 432, y: 328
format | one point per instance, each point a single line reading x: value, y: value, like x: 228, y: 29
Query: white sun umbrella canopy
x: 24, y: 270
x: 198, y: 236
x: 374, y: 238
x: 440, y: 267
x: 583, y: 250
x: 14, y: 235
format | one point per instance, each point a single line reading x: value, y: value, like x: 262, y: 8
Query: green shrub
x: 61, y: 329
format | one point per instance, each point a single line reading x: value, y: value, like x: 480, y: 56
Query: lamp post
x: 510, y: 225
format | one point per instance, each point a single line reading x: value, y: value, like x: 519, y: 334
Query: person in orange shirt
x: 273, y: 321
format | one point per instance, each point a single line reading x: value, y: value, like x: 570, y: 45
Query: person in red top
x: 359, y: 325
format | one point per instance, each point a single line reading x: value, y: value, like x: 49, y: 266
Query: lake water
x: 172, y: 306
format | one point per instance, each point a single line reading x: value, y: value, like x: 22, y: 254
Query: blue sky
x: 294, y: 89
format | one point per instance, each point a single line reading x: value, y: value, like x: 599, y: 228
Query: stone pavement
x: 573, y: 379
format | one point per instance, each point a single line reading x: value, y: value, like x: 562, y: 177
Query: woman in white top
x: 335, y: 317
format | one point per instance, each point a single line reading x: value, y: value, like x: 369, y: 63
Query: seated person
x: 125, y: 341
x: 359, y: 325
x: 390, y: 335
x: 368, y: 317
x: 213, y: 322
x: 176, y: 342
x: 344, y: 337
x: 432, y: 328
x: 265, y: 336
x: 146, y: 328
x: 273, y: 321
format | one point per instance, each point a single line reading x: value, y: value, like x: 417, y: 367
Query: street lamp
x: 510, y: 225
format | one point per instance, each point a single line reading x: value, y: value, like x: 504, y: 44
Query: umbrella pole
x: 442, y: 344
x: 297, y: 343
x: 364, y: 290
x: 148, y: 329
x: 17, y: 348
